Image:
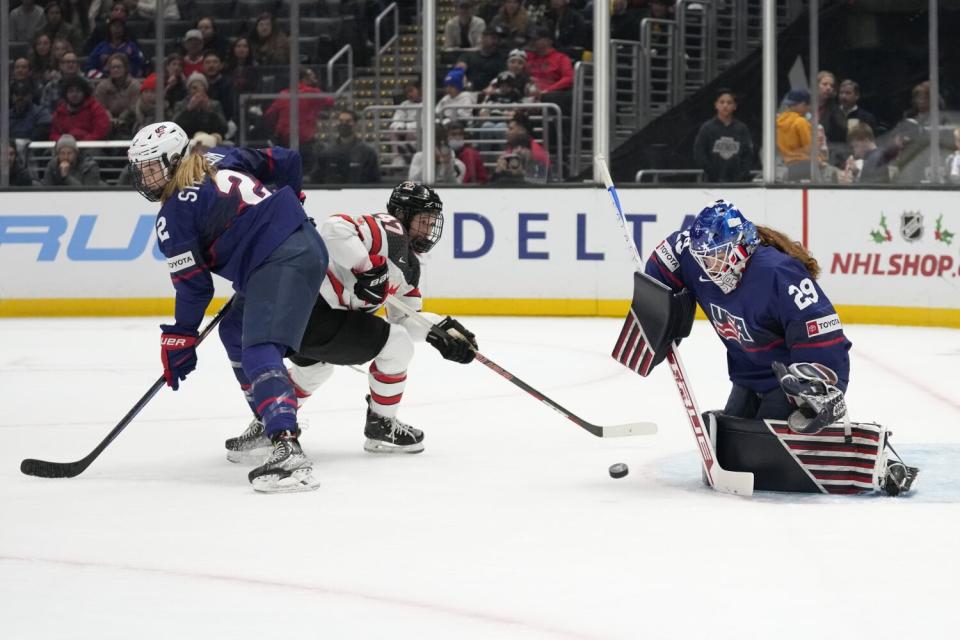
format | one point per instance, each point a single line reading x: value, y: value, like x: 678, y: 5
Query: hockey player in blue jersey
x: 218, y: 217
x: 758, y: 288
x: 787, y: 356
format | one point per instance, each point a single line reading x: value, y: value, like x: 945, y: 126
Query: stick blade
x: 44, y: 469
x: 738, y: 483
x: 629, y: 429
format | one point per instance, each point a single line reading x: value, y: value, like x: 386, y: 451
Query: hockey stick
x: 737, y: 482
x: 44, y: 469
x: 611, y: 431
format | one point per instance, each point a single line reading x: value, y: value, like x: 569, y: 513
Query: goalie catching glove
x: 453, y: 341
x: 813, y: 388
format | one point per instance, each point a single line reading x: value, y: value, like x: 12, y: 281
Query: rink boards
x: 887, y: 256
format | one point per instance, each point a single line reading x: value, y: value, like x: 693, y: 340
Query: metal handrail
x: 376, y: 113
x: 244, y: 98
x: 582, y: 82
x: 696, y: 34
x: 347, y: 85
x: 381, y: 48
x: 657, y: 102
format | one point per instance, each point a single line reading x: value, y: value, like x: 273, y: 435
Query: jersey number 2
x: 250, y: 191
x: 804, y: 295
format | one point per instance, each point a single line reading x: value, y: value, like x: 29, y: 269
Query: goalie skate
x: 390, y: 435
x: 251, y: 446
x: 286, y: 470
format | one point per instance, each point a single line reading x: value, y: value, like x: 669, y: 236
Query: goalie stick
x: 736, y: 482
x: 601, y: 431
x: 44, y: 469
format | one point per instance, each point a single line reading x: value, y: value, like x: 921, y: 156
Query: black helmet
x: 411, y: 198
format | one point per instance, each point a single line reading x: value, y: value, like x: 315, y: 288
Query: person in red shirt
x: 475, y: 173
x: 309, y: 109
x: 79, y: 114
x: 551, y: 70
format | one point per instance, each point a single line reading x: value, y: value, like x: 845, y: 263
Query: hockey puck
x: 619, y: 470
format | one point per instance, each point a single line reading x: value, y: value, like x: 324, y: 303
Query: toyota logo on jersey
x: 729, y: 326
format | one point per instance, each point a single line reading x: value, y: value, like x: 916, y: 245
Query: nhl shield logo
x: 911, y: 225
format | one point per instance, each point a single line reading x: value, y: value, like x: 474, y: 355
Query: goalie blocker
x: 848, y: 458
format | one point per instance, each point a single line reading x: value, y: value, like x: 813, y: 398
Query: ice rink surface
x: 507, y: 526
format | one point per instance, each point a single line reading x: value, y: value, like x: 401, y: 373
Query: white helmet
x: 163, y: 143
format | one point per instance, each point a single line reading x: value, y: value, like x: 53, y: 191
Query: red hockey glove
x: 178, y: 352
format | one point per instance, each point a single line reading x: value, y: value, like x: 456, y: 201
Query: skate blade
x: 378, y: 446
x: 250, y: 456
x: 299, y: 480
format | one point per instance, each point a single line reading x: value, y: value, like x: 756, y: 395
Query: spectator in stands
x: 198, y: 112
x: 487, y: 9
x: 552, y: 72
x: 794, y: 134
x: 52, y: 92
x: 912, y: 136
x: 568, y: 27
x: 41, y: 57
x: 55, y: 26
x: 23, y: 72
x: 848, y: 96
x: 147, y: 9
x: 192, y: 52
x: 176, y: 83
x: 831, y: 117
x: 77, y: 13
x: 512, y: 167
x: 464, y: 30
x: 502, y: 91
x: 405, y: 124
x: 868, y: 164
x: 455, y: 96
x: 212, y: 40
x: 69, y: 167
x: 474, y: 171
x: 118, y: 41
x: 309, y: 110
x: 79, y: 114
x: 534, y: 162
x: 449, y: 169
x: 517, y: 65
x: 58, y: 49
x: 25, y: 21
x: 625, y: 18
x: 512, y: 19
x: 953, y: 160
x: 101, y: 31
x: 144, y: 110
x: 19, y: 172
x: 270, y: 44
x: 347, y: 160
x: 520, y: 126
x: 723, y: 147
x: 118, y: 93
x: 220, y: 85
x: 483, y: 65
x: 27, y: 120
x: 239, y: 63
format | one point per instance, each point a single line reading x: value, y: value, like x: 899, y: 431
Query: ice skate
x: 390, y: 435
x: 251, y: 446
x: 287, y: 469
x: 898, y: 478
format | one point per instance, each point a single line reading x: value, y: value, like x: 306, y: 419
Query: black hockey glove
x: 812, y: 387
x: 453, y: 341
x: 372, y: 284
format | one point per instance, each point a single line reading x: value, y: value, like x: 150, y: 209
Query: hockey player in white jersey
x: 371, y: 256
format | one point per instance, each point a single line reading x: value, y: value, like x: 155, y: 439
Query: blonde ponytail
x: 792, y: 248
x: 189, y: 173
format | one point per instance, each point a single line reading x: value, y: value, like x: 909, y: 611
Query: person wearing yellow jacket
x: 794, y: 134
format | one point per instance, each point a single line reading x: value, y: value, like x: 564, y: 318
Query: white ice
x: 507, y: 526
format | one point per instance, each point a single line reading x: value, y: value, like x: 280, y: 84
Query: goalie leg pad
x: 782, y: 460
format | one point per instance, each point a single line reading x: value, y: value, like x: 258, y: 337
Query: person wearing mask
x: 27, y: 120
x: 69, y: 167
x: 448, y: 168
x: 474, y: 170
x: 347, y: 160
x: 723, y: 147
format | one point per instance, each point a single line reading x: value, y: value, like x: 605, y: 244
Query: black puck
x: 619, y: 470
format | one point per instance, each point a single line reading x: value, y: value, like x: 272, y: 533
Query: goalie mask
x: 154, y: 154
x: 420, y: 211
x: 721, y: 241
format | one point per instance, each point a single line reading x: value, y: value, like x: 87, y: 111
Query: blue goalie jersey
x: 228, y: 224
x: 777, y: 313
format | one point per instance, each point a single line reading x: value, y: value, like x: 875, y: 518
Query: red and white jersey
x: 350, y: 243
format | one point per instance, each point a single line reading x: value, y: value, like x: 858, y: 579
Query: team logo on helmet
x: 162, y: 129
x: 911, y: 225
